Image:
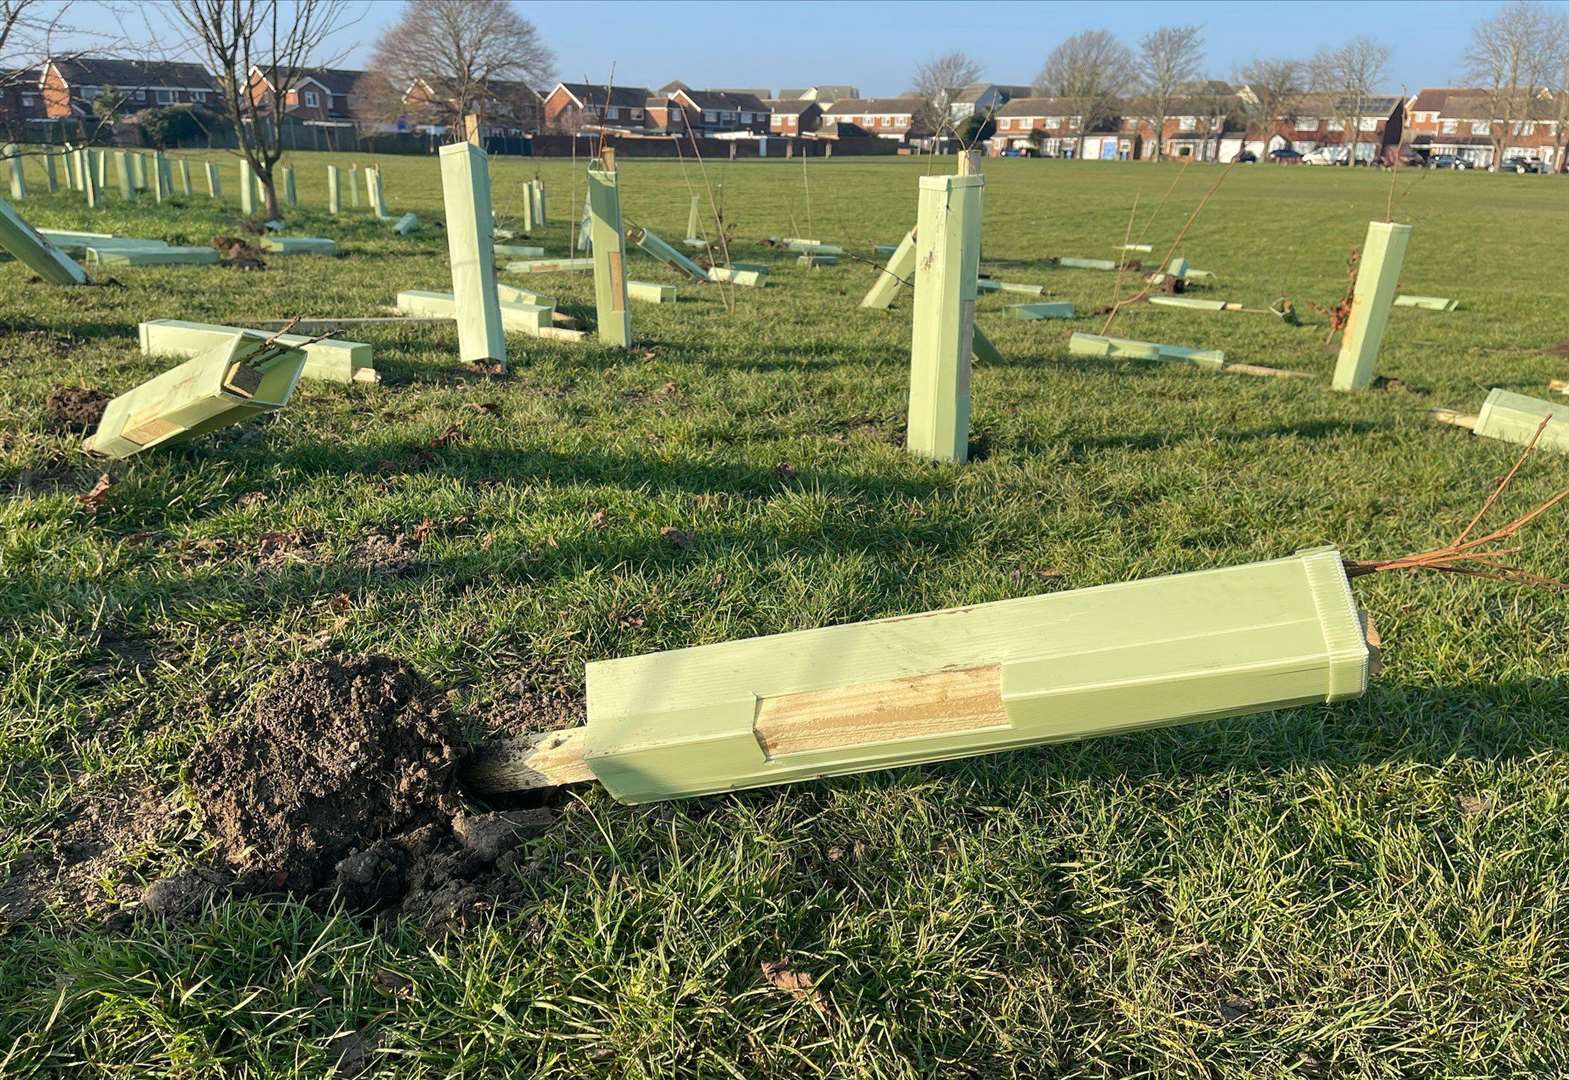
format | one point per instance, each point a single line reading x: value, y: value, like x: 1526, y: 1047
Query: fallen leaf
x: 452, y: 434
x: 679, y: 539
x: 784, y: 470
x: 390, y: 982
x: 99, y: 495
x: 491, y: 407
x: 599, y: 520
x: 798, y: 984
x: 423, y: 529
x: 1472, y: 805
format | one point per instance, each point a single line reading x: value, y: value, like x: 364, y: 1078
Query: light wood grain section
x: 941, y: 702
x: 548, y: 759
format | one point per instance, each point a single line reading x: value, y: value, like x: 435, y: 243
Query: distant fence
x: 712, y: 149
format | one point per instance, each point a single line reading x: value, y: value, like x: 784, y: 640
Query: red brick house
x: 1463, y: 122
x: 793, y: 117
x: 69, y: 86
x: 886, y: 118
x: 1374, y: 126
x: 21, y: 101
x: 585, y: 107
x: 719, y: 112
x: 1195, y: 127
x: 1048, y: 126
x: 505, y: 108
x: 328, y: 98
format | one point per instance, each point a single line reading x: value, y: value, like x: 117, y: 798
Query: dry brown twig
x: 1470, y: 555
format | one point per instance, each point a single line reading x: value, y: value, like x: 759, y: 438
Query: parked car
x: 1448, y: 161
x: 1285, y: 156
x: 1325, y: 155
x: 1245, y: 157
x: 1523, y: 164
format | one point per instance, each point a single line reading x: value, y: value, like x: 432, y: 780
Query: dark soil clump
x: 335, y: 755
x: 75, y: 408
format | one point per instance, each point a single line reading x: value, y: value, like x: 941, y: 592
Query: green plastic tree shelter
x: 298, y: 245
x: 951, y: 684
x: 237, y: 379
x: 373, y: 192
x: 611, y: 310
x: 1056, y: 309
x: 36, y: 253
x: 334, y: 191
x: 692, y: 225
x: 947, y: 261
x: 1515, y: 418
x: 160, y: 182
x: 650, y: 242
x: 1378, y: 275
x: 13, y: 155
x: 547, y: 266
x: 160, y: 254
x: 185, y: 177
x: 1430, y: 303
x: 51, y: 173
x: 750, y: 275
x: 325, y: 358
x: 90, y: 183
x: 247, y: 188
x: 1121, y: 348
x: 354, y: 184
x: 214, y: 186
x: 465, y: 189
x: 531, y: 319
x: 406, y: 224
x: 290, y: 195
x: 122, y: 164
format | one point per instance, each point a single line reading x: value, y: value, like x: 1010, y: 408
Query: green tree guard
x: 692, y: 222
x: 947, y: 261
x: 51, y: 174
x: 36, y: 253
x: 247, y: 188
x: 334, y: 191
x: 139, y: 171
x: 465, y: 189
x: 90, y: 182
x: 354, y: 184
x: 898, y: 270
x: 13, y: 156
x: 1378, y: 275
x: 122, y: 164
x: 214, y: 185
x: 290, y: 196
x: 185, y: 177
x: 610, y: 286
x: 160, y: 181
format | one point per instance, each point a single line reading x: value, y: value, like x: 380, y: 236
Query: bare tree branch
x: 937, y: 82
x: 1512, y: 56
x: 1351, y: 73
x: 1272, y: 90
x: 1166, y: 64
x: 1093, y: 70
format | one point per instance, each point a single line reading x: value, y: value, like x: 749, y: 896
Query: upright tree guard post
x: 610, y: 284
x: 290, y: 196
x: 214, y: 186
x: 691, y: 221
x: 139, y: 171
x: 947, y: 261
x: 465, y: 188
x: 13, y: 156
x: 51, y: 176
x: 354, y: 184
x: 122, y: 164
x: 160, y: 189
x: 185, y: 177
x: 90, y: 183
x: 583, y: 231
x: 539, y: 203
x: 1378, y: 274
x: 247, y: 188
x: 528, y: 209
x: 373, y: 192
x: 100, y: 167
x: 334, y: 191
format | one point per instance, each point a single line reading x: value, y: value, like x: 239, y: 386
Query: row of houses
x: 1209, y: 123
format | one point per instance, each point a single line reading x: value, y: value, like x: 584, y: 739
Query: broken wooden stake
x: 1516, y: 418
x: 957, y: 683
x: 325, y: 358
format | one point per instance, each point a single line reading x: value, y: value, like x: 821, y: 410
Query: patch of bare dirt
x: 239, y: 253
x: 1561, y: 349
x: 541, y: 699
x: 75, y: 408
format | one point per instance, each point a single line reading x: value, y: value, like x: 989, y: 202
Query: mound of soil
x: 75, y: 408
x: 334, y: 756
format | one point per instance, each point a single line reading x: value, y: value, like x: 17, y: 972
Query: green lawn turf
x: 1370, y: 889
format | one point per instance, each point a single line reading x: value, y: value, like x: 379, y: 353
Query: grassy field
x: 1371, y: 889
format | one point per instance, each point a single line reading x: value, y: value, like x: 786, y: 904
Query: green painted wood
x: 1124, y: 349
x: 214, y: 185
x: 1070, y: 665
x: 247, y: 188
x: 290, y: 193
x: 547, y: 266
x: 406, y: 224
x: 1193, y: 302
x: 1378, y: 275
x: 160, y: 170
x: 151, y: 256
x: 1046, y: 310
x: 1430, y: 303
x: 651, y: 293
x: 523, y: 318
x: 465, y: 190
x: 354, y: 184
x: 298, y: 245
x: 1087, y: 264
x: 13, y: 156
x: 334, y: 191
x: 51, y: 172
x: 34, y: 252
x: 195, y: 398
x: 519, y: 251
x: 813, y: 260
x: 947, y: 261
x: 648, y: 241
x: 1515, y: 418
x: 613, y: 314
x: 899, y: 270
x: 122, y: 164
x: 734, y: 275
x: 90, y: 180
x: 326, y: 359
x: 692, y: 227
x: 511, y: 294
x: 185, y: 177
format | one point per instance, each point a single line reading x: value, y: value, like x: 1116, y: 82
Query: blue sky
x: 876, y: 45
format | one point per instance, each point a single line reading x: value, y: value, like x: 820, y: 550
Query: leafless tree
x: 1511, y: 57
x: 1166, y: 63
x: 1558, y: 44
x: 1092, y: 69
x: 1272, y: 89
x: 937, y: 81
x: 1351, y: 74
x: 448, y: 59
x: 29, y: 32
x: 279, y: 40
x: 1216, y: 109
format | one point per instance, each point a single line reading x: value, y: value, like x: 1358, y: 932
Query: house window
x: 310, y: 99
x: 1307, y: 123
x: 198, y: 95
x: 1481, y: 127
x: 612, y: 113
x: 1449, y: 127
x: 1337, y: 124
x: 637, y: 114
x: 1187, y: 123
x: 709, y: 116
x: 140, y: 95
x: 1367, y: 123
x: 165, y: 97
x: 27, y: 101
x: 1524, y: 127
x: 746, y: 118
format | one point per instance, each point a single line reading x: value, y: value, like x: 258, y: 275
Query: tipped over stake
x: 1213, y: 359
x: 1515, y: 418
x: 325, y: 358
x: 34, y: 252
x: 1429, y: 303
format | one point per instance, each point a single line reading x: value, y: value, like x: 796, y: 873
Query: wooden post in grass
x: 354, y: 184
x: 610, y: 285
x: 160, y: 191
x: 334, y: 191
x: 947, y: 260
x: 90, y: 181
x: 139, y: 171
x: 214, y: 185
x: 36, y: 253
x: 941, y: 685
x: 1378, y: 274
x: 13, y: 155
x: 471, y: 130
x: 290, y: 195
x: 51, y: 175
x: 100, y: 167
x: 247, y: 188
x: 691, y: 221
x: 465, y: 189
x: 373, y: 192
x: 898, y: 270
x: 122, y: 165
